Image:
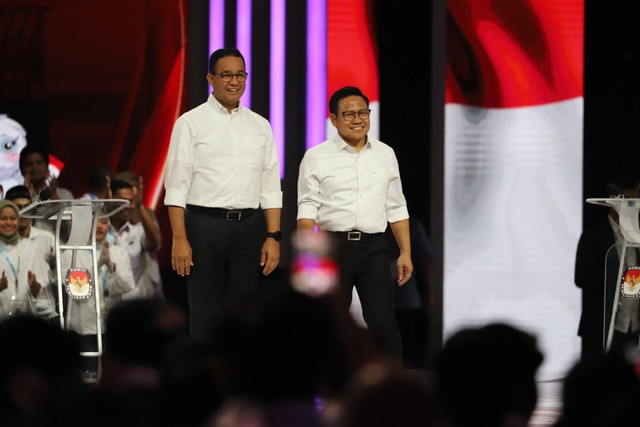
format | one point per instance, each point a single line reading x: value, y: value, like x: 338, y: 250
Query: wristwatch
x: 277, y: 235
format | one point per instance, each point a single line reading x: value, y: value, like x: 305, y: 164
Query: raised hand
x: 137, y: 195
x: 104, y: 255
x: 4, y: 282
x: 34, y: 286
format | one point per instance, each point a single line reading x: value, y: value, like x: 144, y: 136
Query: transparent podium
x: 82, y: 216
x: 627, y: 284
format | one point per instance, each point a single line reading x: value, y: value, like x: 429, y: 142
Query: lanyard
x: 13, y: 269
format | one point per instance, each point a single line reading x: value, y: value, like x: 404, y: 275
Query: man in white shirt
x: 34, y: 167
x: 350, y: 186
x: 222, y: 169
x: 137, y: 239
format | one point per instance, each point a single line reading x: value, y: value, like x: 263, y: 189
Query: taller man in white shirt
x: 350, y: 186
x: 222, y: 168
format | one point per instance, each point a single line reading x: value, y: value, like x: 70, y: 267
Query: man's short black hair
x: 222, y: 53
x: 342, y: 93
x: 17, y: 192
x: 119, y: 185
x: 30, y: 149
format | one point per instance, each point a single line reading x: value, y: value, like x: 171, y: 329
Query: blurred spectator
x: 602, y: 390
x: 145, y: 215
x: 486, y: 376
x: 44, y: 238
x: 39, y: 373
x: 140, y: 334
x: 24, y: 277
x: 138, y: 239
x: 99, y: 184
x: 389, y: 398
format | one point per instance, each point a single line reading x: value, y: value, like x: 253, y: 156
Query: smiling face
x: 353, y: 132
x: 228, y: 93
x: 102, y: 228
x: 25, y: 223
x: 9, y: 222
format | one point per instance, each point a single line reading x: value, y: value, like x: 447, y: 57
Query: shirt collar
x: 342, y: 145
x: 213, y: 102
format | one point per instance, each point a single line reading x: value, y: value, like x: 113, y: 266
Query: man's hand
x: 181, y: 261
x: 405, y: 268
x: 270, y: 256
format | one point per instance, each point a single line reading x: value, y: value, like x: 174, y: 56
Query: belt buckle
x: 354, y: 235
x: 234, y: 216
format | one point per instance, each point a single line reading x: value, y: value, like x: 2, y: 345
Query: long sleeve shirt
x: 223, y: 160
x: 342, y: 189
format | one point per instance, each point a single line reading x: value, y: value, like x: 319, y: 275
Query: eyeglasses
x: 350, y: 115
x: 227, y: 77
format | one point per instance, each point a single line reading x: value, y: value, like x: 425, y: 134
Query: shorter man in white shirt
x: 350, y: 186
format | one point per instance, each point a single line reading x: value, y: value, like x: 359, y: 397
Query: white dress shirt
x: 16, y: 261
x: 223, y: 160
x: 131, y: 238
x: 342, y: 189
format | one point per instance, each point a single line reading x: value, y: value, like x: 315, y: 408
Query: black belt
x: 227, y: 214
x: 356, y: 235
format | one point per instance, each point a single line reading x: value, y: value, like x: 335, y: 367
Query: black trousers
x: 365, y: 265
x: 226, y: 258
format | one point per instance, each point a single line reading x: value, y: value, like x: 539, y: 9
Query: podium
x: 83, y: 215
x: 627, y: 209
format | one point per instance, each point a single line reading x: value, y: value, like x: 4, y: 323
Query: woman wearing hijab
x: 23, y: 272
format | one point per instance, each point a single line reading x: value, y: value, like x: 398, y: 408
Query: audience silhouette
x: 486, y: 376
x: 601, y: 391
x: 39, y: 372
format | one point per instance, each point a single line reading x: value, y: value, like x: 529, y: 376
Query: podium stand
x: 627, y: 209
x: 84, y: 215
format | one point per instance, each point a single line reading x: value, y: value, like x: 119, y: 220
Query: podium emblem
x: 78, y: 283
x: 631, y: 283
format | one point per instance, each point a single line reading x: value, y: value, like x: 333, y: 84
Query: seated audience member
x: 24, y: 275
x: 40, y: 383
x: 145, y: 215
x: 140, y: 334
x: 138, y: 239
x: 387, y: 399
x: 285, y: 352
x: 602, y: 390
x: 486, y: 376
x: 114, y: 278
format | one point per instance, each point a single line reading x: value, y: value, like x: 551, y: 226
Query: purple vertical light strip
x: 243, y: 36
x: 277, y: 72
x: 216, y: 26
x: 316, y: 71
